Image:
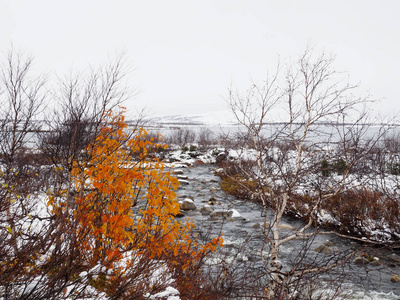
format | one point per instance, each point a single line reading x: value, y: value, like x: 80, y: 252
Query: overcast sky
x: 186, y: 53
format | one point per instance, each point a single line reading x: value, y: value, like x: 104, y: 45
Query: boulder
x: 183, y: 181
x: 221, y: 157
x: 229, y: 215
x: 217, y: 214
x: 228, y: 243
x: 188, y: 204
x: 179, y: 165
x: 178, y: 172
x: 242, y: 257
x: 206, y: 209
x: 180, y: 215
x: 327, y: 248
x: 234, y: 214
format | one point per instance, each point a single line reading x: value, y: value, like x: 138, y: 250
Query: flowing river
x: 359, y: 281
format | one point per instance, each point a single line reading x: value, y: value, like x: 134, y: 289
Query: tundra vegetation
x: 90, y: 210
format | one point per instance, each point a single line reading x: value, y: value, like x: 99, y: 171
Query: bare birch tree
x: 320, y: 120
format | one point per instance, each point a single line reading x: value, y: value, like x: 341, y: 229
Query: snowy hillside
x: 211, y: 118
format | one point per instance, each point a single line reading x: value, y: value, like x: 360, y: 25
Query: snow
x: 170, y: 292
x: 215, y: 118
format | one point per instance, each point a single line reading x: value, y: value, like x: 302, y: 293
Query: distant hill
x: 212, y: 118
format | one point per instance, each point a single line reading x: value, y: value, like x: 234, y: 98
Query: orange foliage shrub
x: 122, y: 202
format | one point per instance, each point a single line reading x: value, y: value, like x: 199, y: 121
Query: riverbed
x: 243, y: 232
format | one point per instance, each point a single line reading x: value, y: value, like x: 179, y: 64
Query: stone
x: 229, y: 215
x: 323, y: 249
x: 327, y: 248
x: 395, y: 278
x: 178, y: 172
x: 216, y: 214
x: 376, y: 262
x: 183, y: 181
x: 234, y: 214
x: 187, y: 204
x: 212, y: 201
x: 242, y: 257
x: 206, y: 210
x: 228, y: 243
x: 179, y: 215
x: 180, y: 165
x: 220, y: 157
x: 328, y: 243
x: 219, y: 172
x: 360, y: 260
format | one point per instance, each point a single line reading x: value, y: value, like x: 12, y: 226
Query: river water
x: 360, y: 281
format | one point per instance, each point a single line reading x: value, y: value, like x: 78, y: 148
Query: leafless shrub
x: 205, y: 139
x: 181, y: 137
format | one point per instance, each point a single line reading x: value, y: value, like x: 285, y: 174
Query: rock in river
x: 206, y: 209
x: 187, y: 204
x: 230, y: 215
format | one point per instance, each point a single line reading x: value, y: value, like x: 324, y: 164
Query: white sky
x: 186, y: 53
